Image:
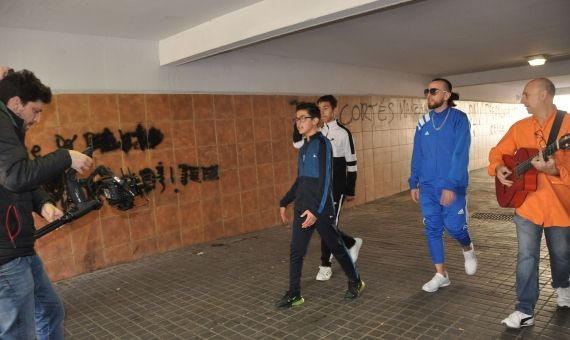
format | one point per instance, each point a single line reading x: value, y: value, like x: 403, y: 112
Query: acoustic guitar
x: 524, y: 175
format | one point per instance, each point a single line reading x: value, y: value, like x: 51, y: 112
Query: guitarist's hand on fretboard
x: 548, y: 167
x: 502, y: 173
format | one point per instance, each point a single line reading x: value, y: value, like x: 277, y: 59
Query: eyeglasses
x: 433, y: 91
x: 301, y: 119
x: 540, y: 139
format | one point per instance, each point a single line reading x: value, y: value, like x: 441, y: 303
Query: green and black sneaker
x: 354, y: 289
x: 289, y: 300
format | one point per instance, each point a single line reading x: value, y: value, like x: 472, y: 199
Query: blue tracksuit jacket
x: 312, y: 189
x: 440, y: 159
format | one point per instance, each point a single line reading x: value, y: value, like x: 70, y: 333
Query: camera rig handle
x: 69, y: 217
x: 84, y: 193
x: 83, y: 204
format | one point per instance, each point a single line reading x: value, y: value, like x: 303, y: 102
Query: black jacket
x: 20, y: 192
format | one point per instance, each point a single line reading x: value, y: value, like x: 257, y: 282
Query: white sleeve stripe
x: 351, y: 168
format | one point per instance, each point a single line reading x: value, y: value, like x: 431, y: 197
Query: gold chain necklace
x: 444, y: 120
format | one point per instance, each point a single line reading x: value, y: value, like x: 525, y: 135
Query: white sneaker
x: 436, y: 282
x: 324, y: 273
x: 518, y: 319
x: 563, y: 299
x: 355, y: 249
x: 470, y: 261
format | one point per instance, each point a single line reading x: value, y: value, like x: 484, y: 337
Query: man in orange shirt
x: 546, y: 209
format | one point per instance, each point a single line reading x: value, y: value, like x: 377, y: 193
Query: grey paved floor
x: 226, y: 289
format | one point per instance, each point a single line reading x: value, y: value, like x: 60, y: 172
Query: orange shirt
x: 549, y: 205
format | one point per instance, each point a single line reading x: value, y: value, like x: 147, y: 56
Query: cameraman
x: 29, y: 305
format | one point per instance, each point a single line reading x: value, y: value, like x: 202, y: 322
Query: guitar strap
x: 556, y: 127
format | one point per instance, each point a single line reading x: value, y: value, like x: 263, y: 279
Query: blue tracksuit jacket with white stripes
x: 312, y: 189
x: 440, y: 159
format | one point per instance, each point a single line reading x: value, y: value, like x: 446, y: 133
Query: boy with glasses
x: 344, y: 176
x: 439, y: 177
x: 314, y: 208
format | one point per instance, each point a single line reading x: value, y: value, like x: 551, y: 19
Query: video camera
x: 82, y: 195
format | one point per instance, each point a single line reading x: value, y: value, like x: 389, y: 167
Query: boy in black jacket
x: 312, y: 193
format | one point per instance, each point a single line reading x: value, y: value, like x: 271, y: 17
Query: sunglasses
x: 433, y: 91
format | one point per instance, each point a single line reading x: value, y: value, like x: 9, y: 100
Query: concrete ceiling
x: 437, y: 37
x: 432, y: 37
x: 132, y: 19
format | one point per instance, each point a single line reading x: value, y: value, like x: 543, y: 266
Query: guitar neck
x: 526, y: 165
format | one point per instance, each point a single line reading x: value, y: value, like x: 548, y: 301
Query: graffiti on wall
x: 155, y: 178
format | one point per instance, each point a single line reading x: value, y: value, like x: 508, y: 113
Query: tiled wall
x: 249, y: 138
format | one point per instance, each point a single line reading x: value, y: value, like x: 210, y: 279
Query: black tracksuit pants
x: 300, y: 242
x: 347, y: 239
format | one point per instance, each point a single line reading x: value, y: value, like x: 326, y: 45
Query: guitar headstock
x: 564, y: 142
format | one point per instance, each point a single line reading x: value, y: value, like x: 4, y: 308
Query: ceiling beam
x: 261, y: 21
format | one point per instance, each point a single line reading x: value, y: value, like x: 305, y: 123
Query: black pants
x: 347, y: 239
x: 300, y: 241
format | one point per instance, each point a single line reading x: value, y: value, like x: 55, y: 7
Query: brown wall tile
x: 142, y: 225
x: 225, y: 131
x: 181, y: 106
x: 73, y: 108
x: 144, y: 248
x: 132, y: 108
x: 157, y: 107
x: 118, y: 254
x: 205, y: 132
x: 224, y: 106
x: 265, y: 175
x: 243, y: 106
x: 104, y: 108
x: 183, y: 134
x: 244, y: 130
x: 231, y: 206
x: 169, y: 241
x: 263, y: 152
x: 246, y: 155
x: 261, y: 129
x: 190, y: 215
x: 229, y: 179
x: 214, y: 231
x: 167, y: 219
x: 248, y: 178
x: 203, y: 106
x: 227, y: 155
x: 260, y: 106
x: 115, y: 231
x: 249, y: 203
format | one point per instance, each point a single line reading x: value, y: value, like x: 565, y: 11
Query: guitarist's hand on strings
x: 502, y: 173
x: 548, y: 166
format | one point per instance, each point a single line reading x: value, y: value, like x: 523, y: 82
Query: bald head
x: 544, y: 84
x: 538, y: 96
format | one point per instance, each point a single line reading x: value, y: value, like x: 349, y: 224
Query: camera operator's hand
x: 50, y: 212
x: 80, y: 162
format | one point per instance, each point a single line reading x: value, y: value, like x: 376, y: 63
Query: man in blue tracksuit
x: 439, y: 177
x: 314, y: 208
